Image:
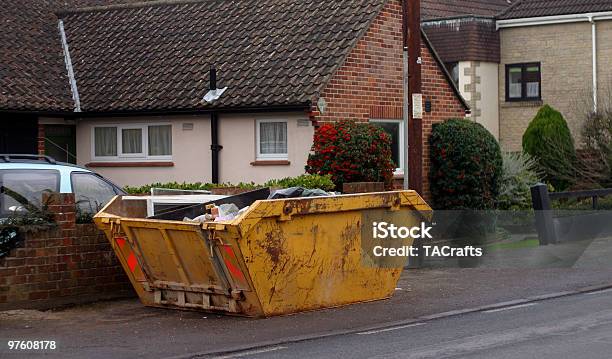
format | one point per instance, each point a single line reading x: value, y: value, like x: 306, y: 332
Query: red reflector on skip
x: 120, y: 242
x: 131, y: 262
x: 230, y: 266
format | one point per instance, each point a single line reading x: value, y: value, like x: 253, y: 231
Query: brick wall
x: 68, y: 264
x: 369, y: 84
x: 40, y: 141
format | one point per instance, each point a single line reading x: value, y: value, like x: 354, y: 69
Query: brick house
x: 554, y: 52
x: 137, y: 77
x: 519, y: 54
x: 464, y: 34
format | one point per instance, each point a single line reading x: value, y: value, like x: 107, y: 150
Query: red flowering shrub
x: 352, y: 152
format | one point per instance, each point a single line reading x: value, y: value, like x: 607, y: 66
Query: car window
x: 28, y: 185
x: 91, y: 192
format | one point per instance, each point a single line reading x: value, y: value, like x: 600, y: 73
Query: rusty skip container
x: 279, y: 257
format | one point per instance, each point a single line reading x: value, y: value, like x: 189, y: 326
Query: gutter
x: 566, y: 19
x: 457, y: 20
x: 68, y: 61
x: 551, y: 20
x: 195, y: 112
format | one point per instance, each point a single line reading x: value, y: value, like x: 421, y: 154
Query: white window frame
x: 269, y: 156
x: 126, y: 157
x: 402, y: 127
x: 144, y: 131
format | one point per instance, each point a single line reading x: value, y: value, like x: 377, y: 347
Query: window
x: 453, y: 70
x: 90, y: 191
x: 272, y: 140
x: 124, y: 142
x: 395, y: 129
x: 523, y: 82
x: 17, y: 185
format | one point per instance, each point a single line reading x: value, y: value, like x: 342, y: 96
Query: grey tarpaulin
x: 295, y: 192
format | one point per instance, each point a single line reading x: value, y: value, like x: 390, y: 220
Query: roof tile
x: 32, y: 69
x: 439, y: 9
x: 157, y: 56
x: 538, y: 8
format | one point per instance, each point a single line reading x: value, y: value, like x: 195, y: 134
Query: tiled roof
x: 478, y: 38
x: 467, y: 22
x: 157, y: 56
x: 32, y: 69
x: 440, y: 9
x: 537, y: 8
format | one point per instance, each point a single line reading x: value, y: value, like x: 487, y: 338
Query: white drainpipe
x: 594, y: 46
x: 69, y: 68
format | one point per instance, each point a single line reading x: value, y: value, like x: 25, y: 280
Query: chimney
x: 213, y: 77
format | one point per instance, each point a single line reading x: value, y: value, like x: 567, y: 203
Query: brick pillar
x: 63, y: 207
x: 41, y: 139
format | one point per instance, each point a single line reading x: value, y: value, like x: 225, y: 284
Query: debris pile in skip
x: 230, y: 211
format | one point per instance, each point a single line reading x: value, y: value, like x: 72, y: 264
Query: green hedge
x: 305, y: 181
x: 466, y: 166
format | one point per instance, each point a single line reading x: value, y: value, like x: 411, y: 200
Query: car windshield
x: 20, y: 188
x: 91, y: 192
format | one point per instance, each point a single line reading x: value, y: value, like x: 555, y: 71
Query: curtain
x: 273, y: 137
x: 533, y: 89
x: 515, y: 83
x: 515, y: 90
x: 105, y: 140
x: 131, y: 140
x: 160, y: 140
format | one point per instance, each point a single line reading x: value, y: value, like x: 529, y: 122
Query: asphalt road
x: 578, y: 326
x: 126, y: 329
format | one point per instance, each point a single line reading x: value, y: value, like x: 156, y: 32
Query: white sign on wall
x: 417, y: 106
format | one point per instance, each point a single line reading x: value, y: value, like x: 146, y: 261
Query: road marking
x: 478, y: 344
x: 390, y: 329
x: 600, y: 292
x: 250, y: 352
x: 511, y: 308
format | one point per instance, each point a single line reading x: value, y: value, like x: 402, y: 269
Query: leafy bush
x: 352, y: 152
x: 466, y: 166
x: 305, y: 181
x: 518, y: 175
x: 597, y: 136
x: 549, y: 141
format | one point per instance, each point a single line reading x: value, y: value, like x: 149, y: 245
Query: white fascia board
x: 557, y: 19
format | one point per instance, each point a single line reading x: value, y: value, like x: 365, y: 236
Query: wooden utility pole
x: 413, y: 106
x: 405, y: 84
